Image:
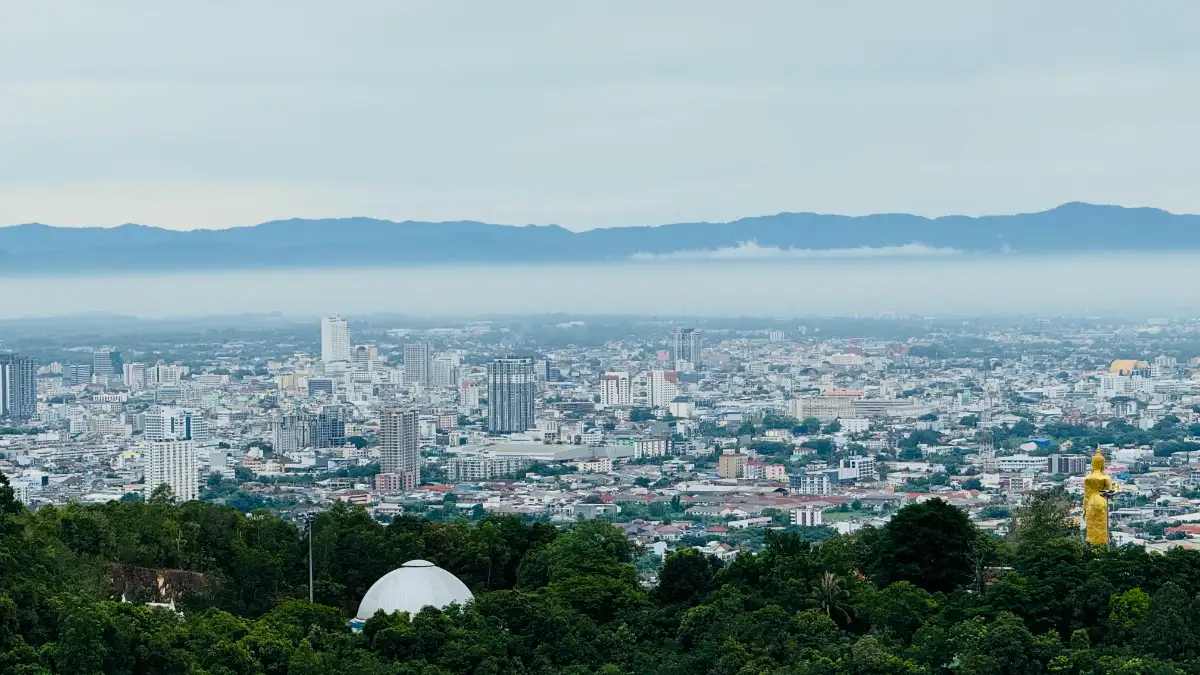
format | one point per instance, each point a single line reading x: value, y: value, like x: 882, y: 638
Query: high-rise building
x: 614, y: 389
x: 172, y: 463
x: 106, y: 361
x: 290, y: 432
x: 685, y: 346
x: 320, y: 385
x: 399, y: 446
x: 134, y: 375
x: 168, y: 423
x: 512, y: 393
x: 335, y: 340
x: 18, y: 387
x: 443, y: 372
x: 327, y: 429
x: 365, y: 357
x: 416, y: 363
x: 75, y: 374
x: 664, y: 387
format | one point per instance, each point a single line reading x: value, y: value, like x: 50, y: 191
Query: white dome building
x: 414, y: 585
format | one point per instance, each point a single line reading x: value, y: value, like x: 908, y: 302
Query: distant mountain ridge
x: 1070, y: 228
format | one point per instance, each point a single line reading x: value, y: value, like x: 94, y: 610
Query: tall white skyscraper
x: 615, y: 390
x: 172, y: 463
x: 664, y: 387
x: 335, y: 340
x: 400, y: 447
x: 168, y: 423
x: 512, y: 394
x: 416, y: 363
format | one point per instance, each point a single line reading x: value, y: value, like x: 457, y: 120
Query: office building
x: 685, y: 347
x: 335, y: 340
x: 416, y: 363
x: 512, y: 392
x: 18, y: 387
x: 106, y: 362
x: 75, y: 374
x: 172, y: 463
x: 366, y: 357
x: 399, y: 446
x: 664, y: 387
x: 320, y: 385
x: 169, y: 423
x: 614, y: 389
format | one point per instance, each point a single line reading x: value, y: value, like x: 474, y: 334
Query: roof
x: 412, y: 586
x: 1121, y: 366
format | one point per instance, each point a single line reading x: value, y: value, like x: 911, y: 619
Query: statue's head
x: 1098, y: 462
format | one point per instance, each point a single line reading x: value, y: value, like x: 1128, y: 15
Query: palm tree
x: 828, y: 595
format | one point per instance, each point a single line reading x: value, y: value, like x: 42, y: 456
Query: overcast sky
x: 218, y: 113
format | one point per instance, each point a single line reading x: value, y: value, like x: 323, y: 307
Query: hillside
x: 1071, y: 228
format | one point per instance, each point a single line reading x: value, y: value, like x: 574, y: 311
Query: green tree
x: 926, y: 544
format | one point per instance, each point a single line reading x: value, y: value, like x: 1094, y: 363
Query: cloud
x: 750, y: 250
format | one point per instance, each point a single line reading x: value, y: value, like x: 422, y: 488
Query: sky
x: 216, y: 113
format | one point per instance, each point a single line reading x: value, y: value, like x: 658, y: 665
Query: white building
x: 859, y: 467
x: 335, y: 340
x: 169, y: 423
x: 855, y: 425
x: 664, y: 387
x: 443, y: 372
x: 134, y: 376
x: 172, y: 463
x: 615, y: 389
x: 808, y: 516
x: 651, y: 447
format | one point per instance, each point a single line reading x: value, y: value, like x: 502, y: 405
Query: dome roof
x: 414, y: 585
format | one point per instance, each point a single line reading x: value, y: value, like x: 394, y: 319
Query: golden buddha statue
x: 1097, y: 488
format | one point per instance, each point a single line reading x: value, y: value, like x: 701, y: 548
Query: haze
x: 215, y: 114
x: 1128, y: 285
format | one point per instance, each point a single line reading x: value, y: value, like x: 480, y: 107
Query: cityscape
x: 622, y: 338
x: 682, y: 435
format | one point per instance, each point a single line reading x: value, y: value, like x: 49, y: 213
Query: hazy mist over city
x: 1082, y: 285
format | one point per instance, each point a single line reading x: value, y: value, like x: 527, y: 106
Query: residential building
x: 18, y: 387
x: 732, y: 465
x: 810, y: 483
x: 1067, y: 465
x: 593, y: 465
x: 808, y: 516
x: 651, y: 447
x: 443, y: 372
x: 134, y: 376
x: 335, y: 341
x: 858, y: 467
x: 416, y: 363
x: 512, y: 393
x: 664, y: 387
x: 399, y: 446
x: 475, y: 469
x: 172, y: 463
x: 170, y: 423
x: 685, y: 347
x: 614, y: 389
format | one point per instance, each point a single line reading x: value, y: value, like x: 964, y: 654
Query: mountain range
x: 1070, y: 228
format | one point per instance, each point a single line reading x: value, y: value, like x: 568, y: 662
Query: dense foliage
x: 925, y: 594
